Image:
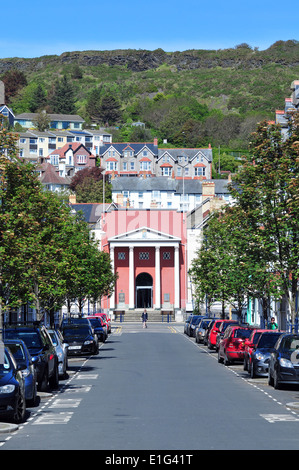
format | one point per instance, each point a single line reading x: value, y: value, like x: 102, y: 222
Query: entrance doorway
x: 144, y: 291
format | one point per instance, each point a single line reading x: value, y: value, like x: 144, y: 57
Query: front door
x: 144, y: 291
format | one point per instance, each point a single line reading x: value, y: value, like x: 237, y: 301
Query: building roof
x: 50, y: 175
x: 53, y: 117
x: 135, y: 146
x: 161, y: 183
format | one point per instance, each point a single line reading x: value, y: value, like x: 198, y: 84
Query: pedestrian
x: 273, y: 325
x: 144, y: 318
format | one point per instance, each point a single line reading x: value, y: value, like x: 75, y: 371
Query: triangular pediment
x: 144, y: 234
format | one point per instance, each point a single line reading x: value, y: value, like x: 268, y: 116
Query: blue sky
x: 36, y: 28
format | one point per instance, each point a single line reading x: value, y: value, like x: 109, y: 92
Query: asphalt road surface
x: 155, y: 389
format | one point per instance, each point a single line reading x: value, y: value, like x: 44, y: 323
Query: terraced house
x: 135, y: 159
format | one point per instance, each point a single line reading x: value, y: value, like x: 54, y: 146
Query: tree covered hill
x: 190, y: 98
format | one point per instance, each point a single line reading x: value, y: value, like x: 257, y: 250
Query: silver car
x: 61, y: 350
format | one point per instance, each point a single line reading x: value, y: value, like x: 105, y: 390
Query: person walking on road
x: 144, y: 318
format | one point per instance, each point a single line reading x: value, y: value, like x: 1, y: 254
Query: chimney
x: 208, y: 189
x: 72, y: 198
x: 156, y: 141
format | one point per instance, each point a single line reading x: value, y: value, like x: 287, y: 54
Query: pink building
x: 148, y: 251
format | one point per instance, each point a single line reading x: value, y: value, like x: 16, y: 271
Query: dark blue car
x: 23, y: 359
x: 12, y: 387
x: 260, y: 355
x: 284, y: 361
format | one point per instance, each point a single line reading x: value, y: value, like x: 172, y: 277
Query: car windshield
x: 290, y: 343
x: 17, y: 351
x: 53, y: 338
x: 256, y: 337
x: 268, y: 341
x: 95, y: 322
x: 240, y: 333
x: 204, y: 324
x: 30, y: 338
x: 5, y: 366
x: 73, y: 331
x: 226, y: 324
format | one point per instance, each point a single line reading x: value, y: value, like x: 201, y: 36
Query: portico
x: 148, y: 265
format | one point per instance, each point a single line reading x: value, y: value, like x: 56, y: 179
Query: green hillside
x: 190, y: 98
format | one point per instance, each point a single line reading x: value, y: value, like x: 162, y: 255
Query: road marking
x: 66, y: 403
x: 50, y: 418
x: 87, y: 376
x: 278, y: 418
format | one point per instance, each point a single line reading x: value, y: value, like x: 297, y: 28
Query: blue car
x: 24, y: 360
x: 12, y: 387
x: 284, y: 361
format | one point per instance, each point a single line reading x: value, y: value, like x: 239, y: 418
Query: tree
x: 109, y: 110
x: 14, y: 81
x: 62, y: 97
x: 266, y: 190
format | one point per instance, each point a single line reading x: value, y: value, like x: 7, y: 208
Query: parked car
x: 190, y: 330
x: 99, y: 327
x: 61, y: 351
x: 201, y: 329
x: 75, y: 321
x: 284, y: 361
x: 221, y: 330
x: 107, y: 321
x: 24, y: 361
x: 42, y: 351
x: 12, y: 389
x: 260, y: 355
x: 212, y: 334
x: 81, y: 339
x: 186, y: 324
x: 250, y: 343
x: 231, y: 347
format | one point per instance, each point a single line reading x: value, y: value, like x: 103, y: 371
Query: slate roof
x: 53, y: 117
x: 135, y: 146
x: 161, y: 183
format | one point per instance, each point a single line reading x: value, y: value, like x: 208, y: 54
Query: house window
x: 145, y: 166
x: 111, y: 166
x: 132, y: 166
x: 121, y: 255
x: 166, y: 255
x: 166, y: 171
x: 200, y: 171
x: 81, y: 159
x: 144, y: 255
x: 54, y: 159
x: 125, y: 166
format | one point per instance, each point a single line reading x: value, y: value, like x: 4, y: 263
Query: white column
x: 131, y: 277
x: 157, y: 278
x: 112, y: 298
x: 176, y: 278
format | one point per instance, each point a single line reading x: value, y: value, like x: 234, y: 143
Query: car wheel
x: 42, y: 386
x: 245, y: 365
x: 32, y: 400
x: 54, y: 380
x: 20, y: 409
x: 276, y: 382
x: 252, y: 373
x: 220, y: 359
x: 226, y: 361
x: 270, y: 379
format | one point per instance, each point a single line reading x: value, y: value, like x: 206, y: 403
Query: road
x: 155, y: 389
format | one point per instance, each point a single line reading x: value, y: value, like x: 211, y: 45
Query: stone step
x: 135, y: 316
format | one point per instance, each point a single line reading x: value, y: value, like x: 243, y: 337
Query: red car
x: 105, y: 318
x: 211, y: 342
x: 250, y: 343
x: 231, y: 347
